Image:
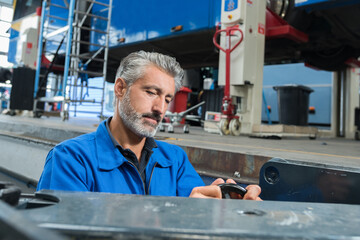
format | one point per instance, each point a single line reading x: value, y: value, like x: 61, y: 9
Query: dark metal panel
x: 287, y: 180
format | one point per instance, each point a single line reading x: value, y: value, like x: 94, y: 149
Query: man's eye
x: 168, y: 100
x: 150, y: 93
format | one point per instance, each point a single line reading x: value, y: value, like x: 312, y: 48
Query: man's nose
x: 159, y: 105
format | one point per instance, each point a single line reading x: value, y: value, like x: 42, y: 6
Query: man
x: 122, y: 155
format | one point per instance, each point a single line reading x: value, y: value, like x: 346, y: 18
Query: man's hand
x: 214, y: 191
x: 211, y: 191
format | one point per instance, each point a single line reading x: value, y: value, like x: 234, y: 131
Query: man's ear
x: 120, y: 88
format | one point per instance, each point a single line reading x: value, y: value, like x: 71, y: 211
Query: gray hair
x: 133, y: 67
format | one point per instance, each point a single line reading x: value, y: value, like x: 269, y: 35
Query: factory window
x: 6, y: 13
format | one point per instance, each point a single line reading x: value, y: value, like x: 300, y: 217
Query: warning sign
x: 261, y: 28
x: 230, y: 5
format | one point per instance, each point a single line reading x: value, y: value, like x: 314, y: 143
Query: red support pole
x: 227, y: 71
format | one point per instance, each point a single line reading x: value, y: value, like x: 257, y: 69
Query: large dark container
x: 357, y: 123
x: 293, y: 104
x: 22, y: 90
x: 213, y: 101
x: 357, y: 118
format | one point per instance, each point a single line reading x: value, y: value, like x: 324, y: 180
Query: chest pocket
x: 163, y: 182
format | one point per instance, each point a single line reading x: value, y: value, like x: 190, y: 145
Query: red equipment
x: 227, y: 108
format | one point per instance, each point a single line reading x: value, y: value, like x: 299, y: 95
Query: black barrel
x: 293, y: 104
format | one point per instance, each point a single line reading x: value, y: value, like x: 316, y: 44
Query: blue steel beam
x: 40, y: 47
x: 68, y: 45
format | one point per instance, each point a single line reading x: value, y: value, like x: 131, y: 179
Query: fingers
x: 214, y: 191
x: 218, y: 181
x: 253, y: 192
x: 230, y: 181
x: 211, y: 191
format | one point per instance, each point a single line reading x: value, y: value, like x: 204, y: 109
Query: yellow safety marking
x: 170, y: 138
x: 16, y: 25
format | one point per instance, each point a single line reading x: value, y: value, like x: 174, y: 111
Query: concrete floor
x: 335, y: 151
x: 325, y: 151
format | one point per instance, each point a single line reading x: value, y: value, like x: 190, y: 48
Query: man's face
x: 144, y: 104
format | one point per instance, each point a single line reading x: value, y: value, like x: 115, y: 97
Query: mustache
x: 154, y: 115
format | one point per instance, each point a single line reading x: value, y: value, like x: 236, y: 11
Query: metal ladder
x: 63, y: 31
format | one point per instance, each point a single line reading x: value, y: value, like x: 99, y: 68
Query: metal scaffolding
x: 68, y: 63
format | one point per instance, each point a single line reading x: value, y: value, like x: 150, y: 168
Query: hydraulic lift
x: 244, y: 25
x: 243, y: 48
x: 242, y: 40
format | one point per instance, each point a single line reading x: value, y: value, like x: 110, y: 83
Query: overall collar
x: 109, y: 157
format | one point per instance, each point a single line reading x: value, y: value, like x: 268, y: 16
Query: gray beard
x: 133, y: 119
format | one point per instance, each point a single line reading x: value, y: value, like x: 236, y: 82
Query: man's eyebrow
x: 171, y: 96
x: 159, y: 90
